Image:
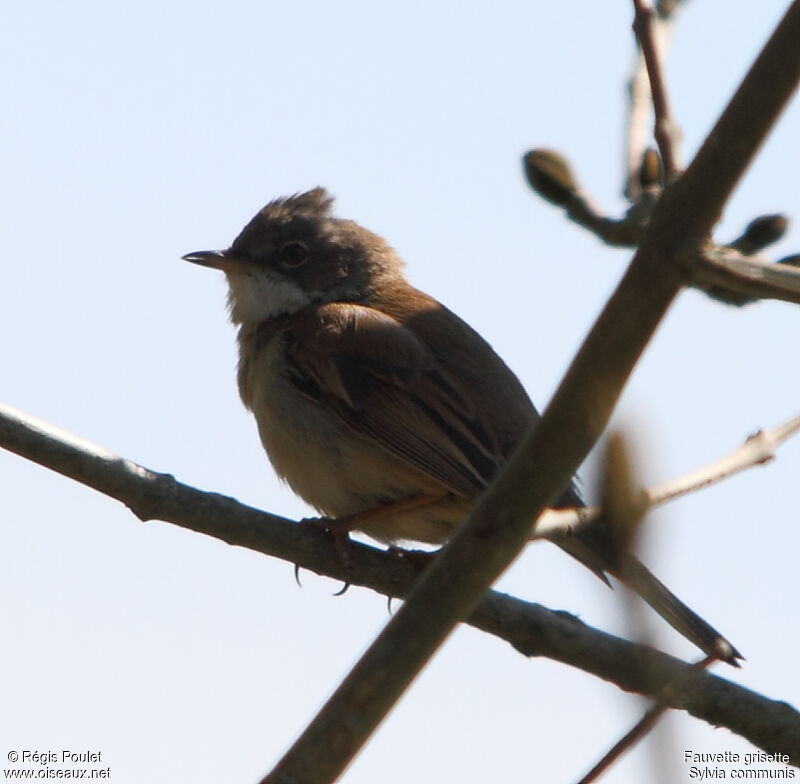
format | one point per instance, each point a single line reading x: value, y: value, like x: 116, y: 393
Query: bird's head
x: 294, y: 253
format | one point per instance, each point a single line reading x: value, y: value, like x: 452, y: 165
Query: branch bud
x: 761, y: 232
x: 651, y: 170
x: 548, y: 173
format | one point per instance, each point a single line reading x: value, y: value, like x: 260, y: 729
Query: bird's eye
x: 293, y: 253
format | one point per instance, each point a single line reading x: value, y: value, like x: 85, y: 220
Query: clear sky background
x: 133, y: 133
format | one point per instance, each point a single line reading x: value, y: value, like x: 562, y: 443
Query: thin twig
x: 755, y: 451
x: 625, y: 508
x: 637, y: 128
x: 640, y: 729
x: 728, y: 275
x: 531, y: 629
x: 666, y: 132
x: 731, y: 273
x: 742, y: 127
x: 720, y: 271
x: 637, y: 131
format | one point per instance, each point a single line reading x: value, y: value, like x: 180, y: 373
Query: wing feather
x: 376, y: 375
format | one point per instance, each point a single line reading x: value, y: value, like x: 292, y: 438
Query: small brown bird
x: 375, y: 403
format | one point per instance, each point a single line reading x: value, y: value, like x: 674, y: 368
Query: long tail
x: 681, y: 617
x: 631, y: 571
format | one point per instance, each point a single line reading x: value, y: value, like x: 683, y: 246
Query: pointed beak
x: 217, y: 259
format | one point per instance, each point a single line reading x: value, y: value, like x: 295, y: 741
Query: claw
x: 342, y: 590
x: 341, y: 541
x: 297, y: 575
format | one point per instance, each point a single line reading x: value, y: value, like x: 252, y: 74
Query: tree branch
x: 666, y: 130
x: 727, y: 275
x: 453, y: 586
x: 531, y: 629
x: 757, y: 449
x: 722, y: 272
x: 640, y: 729
x: 730, y: 146
x: 640, y: 100
x: 497, y: 527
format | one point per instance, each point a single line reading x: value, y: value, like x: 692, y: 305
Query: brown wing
x: 382, y: 380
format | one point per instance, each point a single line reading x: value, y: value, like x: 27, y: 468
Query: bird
x: 378, y: 406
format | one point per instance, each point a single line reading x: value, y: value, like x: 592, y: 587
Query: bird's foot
x: 339, y: 529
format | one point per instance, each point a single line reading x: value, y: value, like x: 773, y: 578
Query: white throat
x: 256, y: 295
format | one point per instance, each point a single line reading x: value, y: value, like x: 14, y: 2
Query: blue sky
x: 136, y: 132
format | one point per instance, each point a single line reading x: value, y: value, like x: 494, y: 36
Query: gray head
x: 294, y: 253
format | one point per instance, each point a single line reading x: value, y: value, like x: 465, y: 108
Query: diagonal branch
x: 498, y: 526
x: 453, y: 587
x: 640, y: 729
x: 743, y: 126
x: 531, y: 629
x: 722, y: 272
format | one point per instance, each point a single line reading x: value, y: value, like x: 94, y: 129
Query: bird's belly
x: 339, y: 472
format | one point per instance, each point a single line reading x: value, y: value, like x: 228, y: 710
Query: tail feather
x: 592, y: 548
x: 681, y: 617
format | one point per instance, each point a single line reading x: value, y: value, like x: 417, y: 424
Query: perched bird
x: 375, y: 403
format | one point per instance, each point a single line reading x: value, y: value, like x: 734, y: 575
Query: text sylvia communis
x: 377, y: 404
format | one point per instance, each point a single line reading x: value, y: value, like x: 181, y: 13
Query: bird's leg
x: 352, y: 522
x: 340, y: 527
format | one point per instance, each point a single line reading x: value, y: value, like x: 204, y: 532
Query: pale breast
x: 324, y: 460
